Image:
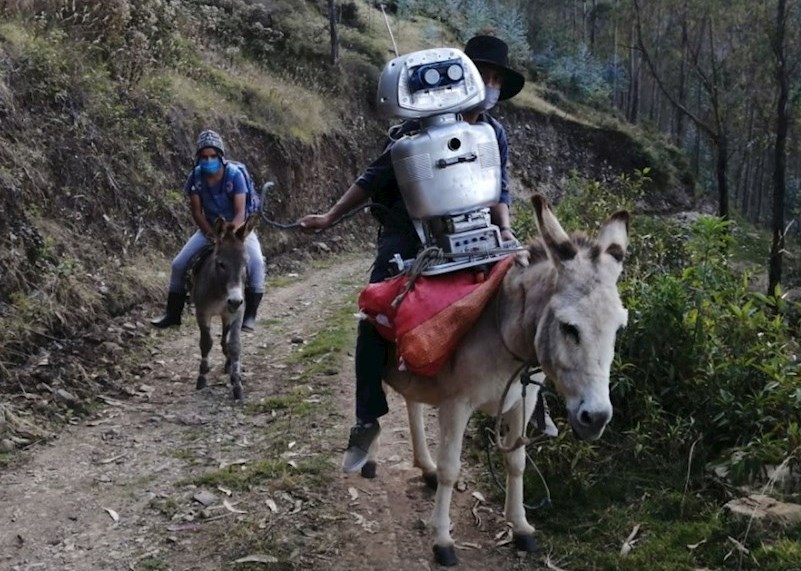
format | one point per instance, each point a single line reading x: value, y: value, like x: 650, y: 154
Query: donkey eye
x: 569, y: 330
x: 221, y: 265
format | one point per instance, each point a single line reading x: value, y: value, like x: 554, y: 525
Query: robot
x: 448, y: 172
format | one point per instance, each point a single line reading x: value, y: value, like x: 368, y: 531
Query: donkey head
x: 230, y: 259
x: 575, y: 339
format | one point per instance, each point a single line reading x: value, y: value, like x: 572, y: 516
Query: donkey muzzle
x: 589, y: 424
x: 234, y: 304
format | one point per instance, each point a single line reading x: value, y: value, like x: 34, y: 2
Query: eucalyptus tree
x: 716, y: 37
x: 784, y: 43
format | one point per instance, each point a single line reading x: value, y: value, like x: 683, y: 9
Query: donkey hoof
x: 369, y: 470
x: 445, y: 556
x: 430, y: 478
x: 201, y: 383
x: 238, y: 393
x: 525, y: 542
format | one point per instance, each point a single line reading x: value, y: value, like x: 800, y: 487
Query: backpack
x: 252, y: 198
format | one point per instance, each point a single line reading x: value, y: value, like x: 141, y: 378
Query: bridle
x: 525, y: 374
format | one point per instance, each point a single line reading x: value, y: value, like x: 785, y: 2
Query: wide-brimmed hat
x: 494, y: 51
x: 209, y: 139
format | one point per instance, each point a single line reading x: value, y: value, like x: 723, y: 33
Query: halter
x: 525, y: 374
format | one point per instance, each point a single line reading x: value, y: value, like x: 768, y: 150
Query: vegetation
x: 705, y: 392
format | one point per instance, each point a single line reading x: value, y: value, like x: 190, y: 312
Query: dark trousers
x: 371, y: 348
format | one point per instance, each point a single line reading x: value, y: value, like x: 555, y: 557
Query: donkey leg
x: 453, y: 417
x: 422, y: 457
x: 514, y: 511
x: 234, y: 351
x: 224, y: 345
x: 204, y: 323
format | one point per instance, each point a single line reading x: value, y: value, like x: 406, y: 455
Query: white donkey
x: 562, y: 310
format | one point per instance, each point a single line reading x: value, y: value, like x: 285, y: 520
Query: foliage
x: 130, y: 37
x: 472, y: 17
x: 703, y: 358
x: 578, y: 74
x: 706, y: 377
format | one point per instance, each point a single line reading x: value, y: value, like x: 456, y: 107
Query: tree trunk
x: 332, y: 25
x: 720, y: 172
x: 779, y: 157
x: 678, y: 114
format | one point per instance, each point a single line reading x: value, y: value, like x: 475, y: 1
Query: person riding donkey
x: 216, y: 188
x: 397, y: 233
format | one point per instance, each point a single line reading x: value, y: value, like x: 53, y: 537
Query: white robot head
x: 429, y: 82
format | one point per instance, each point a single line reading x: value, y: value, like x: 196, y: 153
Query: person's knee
x: 178, y: 265
x: 256, y: 275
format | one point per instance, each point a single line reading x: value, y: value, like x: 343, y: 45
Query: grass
x: 296, y: 401
x: 598, y: 499
x: 587, y: 527
x: 531, y: 98
x: 323, y: 354
x: 282, y: 281
x: 260, y: 97
x: 167, y: 507
x: 313, y: 471
x: 183, y: 454
x: 151, y: 564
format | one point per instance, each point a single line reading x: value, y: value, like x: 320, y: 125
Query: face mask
x: 491, y: 96
x: 210, y: 166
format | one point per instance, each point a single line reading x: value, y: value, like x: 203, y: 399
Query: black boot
x: 252, y: 301
x: 175, y: 306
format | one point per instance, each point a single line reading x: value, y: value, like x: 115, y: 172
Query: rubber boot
x: 252, y: 301
x: 175, y: 306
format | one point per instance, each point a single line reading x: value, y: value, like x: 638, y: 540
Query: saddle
x: 428, y: 320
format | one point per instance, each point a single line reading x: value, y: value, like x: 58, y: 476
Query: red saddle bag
x: 432, y: 317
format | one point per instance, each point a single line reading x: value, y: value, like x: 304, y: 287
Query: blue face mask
x: 491, y: 96
x: 210, y: 166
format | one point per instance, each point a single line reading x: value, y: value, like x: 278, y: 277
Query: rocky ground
x: 160, y: 476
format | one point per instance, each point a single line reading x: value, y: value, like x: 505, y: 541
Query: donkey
x: 562, y: 310
x: 218, y: 289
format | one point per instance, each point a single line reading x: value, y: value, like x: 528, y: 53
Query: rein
x: 525, y: 374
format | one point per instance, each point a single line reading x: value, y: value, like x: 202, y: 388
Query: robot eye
x: 431, y: 77
x: 455, y: 72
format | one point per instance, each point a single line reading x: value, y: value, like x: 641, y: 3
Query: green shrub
x: 713, y: 353
x: 706, y: 371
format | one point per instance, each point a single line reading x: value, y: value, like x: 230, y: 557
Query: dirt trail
x: 143, y: 483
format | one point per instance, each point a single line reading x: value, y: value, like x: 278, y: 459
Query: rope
x: 521, y: 440
x: 424, y: 260
x: 525, y: 372
x: 544, y: 502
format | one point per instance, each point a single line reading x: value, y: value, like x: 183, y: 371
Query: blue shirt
x: 217, y: 199
x: 378, y: 179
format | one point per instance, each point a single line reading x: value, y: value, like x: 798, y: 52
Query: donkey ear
x: 613, y: 237
x: 246, y: 228
x: 558, y: 244
x: 219, y: 226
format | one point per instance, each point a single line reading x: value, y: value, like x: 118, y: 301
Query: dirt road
x: 177, y: 479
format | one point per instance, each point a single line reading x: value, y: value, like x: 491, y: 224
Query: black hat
x: 494, y: 51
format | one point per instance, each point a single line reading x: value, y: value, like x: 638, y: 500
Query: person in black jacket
x: 397, y: 234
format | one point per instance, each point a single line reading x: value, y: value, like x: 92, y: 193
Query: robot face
x: 429, y: 82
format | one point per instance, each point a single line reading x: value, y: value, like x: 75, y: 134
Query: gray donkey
x: 561, y: 310
x: 218, y: 289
